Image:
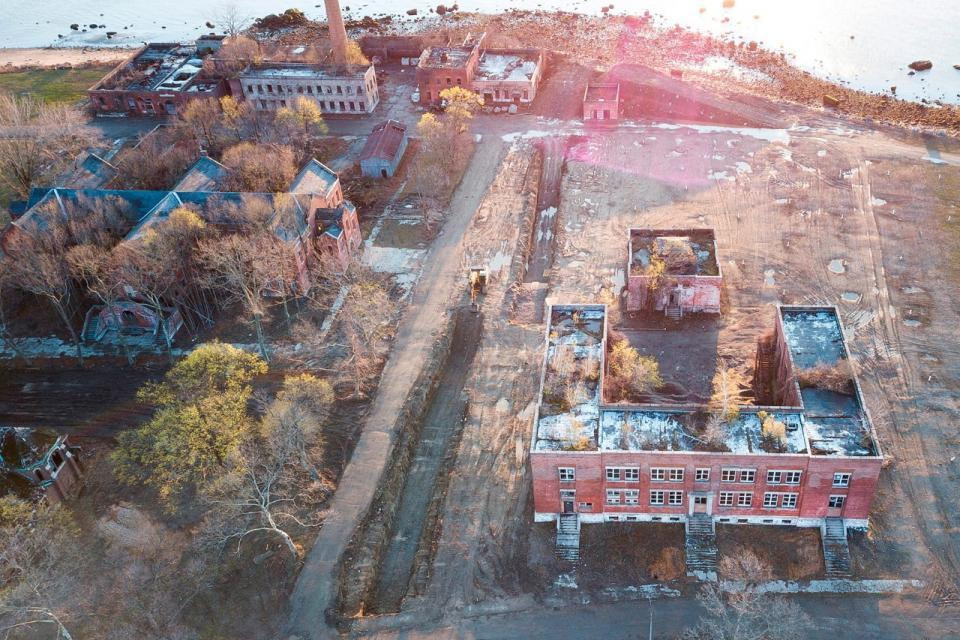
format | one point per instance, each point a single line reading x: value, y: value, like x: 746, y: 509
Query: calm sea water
x: 865, y: 43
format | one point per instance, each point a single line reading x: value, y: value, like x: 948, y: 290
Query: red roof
x: 384, y: 141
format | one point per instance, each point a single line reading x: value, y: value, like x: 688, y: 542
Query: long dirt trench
x: 442, y: 421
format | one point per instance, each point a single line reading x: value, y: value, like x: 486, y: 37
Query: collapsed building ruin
x: 673, y: 270
x: 38, y: 463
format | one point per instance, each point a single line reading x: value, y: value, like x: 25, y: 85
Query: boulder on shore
x: 920, y: 65
x: 411, y: 12
x: 957, y: 67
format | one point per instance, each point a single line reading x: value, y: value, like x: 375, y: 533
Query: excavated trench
x: 440, y: 425
x: 548, y: 199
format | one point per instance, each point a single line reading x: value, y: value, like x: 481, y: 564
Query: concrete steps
x: 674, y: 313
x: 836, y: 552
x: 701, y: 547
x: 568, y: 537
x: 90, y: 329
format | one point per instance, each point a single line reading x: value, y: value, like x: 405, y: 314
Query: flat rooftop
x: 573, y: 417
x: 684, y: 252
x: 507, y: 66
x: 449, y: 57
x: 302, y: 70
x: 602, y: 93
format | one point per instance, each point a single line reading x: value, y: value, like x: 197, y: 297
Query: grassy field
x: 53, y: 85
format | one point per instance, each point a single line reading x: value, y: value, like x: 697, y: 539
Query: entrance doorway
x: 699, y: 504
x: 568, y: 506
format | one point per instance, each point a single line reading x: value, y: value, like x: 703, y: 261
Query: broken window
x: 841, y: 479
x: 789, y: 501
x: 836, y: 502
x: 702, y: 475
x: 613, y: 497
x: 770, y: 500
x: 568, y: 494
x: 567, y: 474
x: 726, y: 498
x: 631, y: 496
x: 614, y: 474
x: 744, y: 499
x: 586, y: 506
x: 656, y: 497
x: 791, y: 477
x: 676, y: 498
x: 57, y: 459
x: 774, y: 477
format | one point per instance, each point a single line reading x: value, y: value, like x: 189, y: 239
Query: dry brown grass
x: 837, y: 377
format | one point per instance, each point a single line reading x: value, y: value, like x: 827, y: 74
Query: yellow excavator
x: 478, y: 286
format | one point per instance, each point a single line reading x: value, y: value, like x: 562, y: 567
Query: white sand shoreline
x: 46, y: 57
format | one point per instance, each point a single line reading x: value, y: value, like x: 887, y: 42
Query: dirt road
x: 548, y: 199
x: 441, y: 281
x: 444, y: 417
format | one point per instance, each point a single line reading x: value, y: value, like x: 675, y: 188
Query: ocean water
x: 866, y: 44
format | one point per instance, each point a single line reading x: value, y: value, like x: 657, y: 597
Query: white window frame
x: 792, y: 477
x: 658, y: 474
x: 675, y: 498
x: 789, y: 500
x: 571, y: 472
x: 631, y: 474
x: 841, y: 479
x: 675, y: 474
x: 726, y: 499
x: 568, y: 494
x: 614, y: 474
x: 752, y: 473
x: 774, y: 477
x: 613, y: 496
x: 728, y: 475
x: 771, y: 500
x: 657, y: 497
x: 744, y: 499
x: 585, y: 506
x: 839, y: 499
x: 631, y: 496
x: 702, y: 475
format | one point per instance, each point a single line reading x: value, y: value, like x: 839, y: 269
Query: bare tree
x: 201, y: 122
x: 155, y: 163
x: 727, y: 394
x: 738, y: 611
x: 37, y: 140
x: 363, y: 322
x: 297, y: 415
x: 235, y: 267
x: 231, y: 20
x: 264, y: 168
x: 265, y: 494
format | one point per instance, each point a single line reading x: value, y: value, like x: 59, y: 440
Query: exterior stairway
x: 701, y: 547
x: 90, y: 328
x: 568, y: 536
x: 836, y: 553
x: 674, y: 313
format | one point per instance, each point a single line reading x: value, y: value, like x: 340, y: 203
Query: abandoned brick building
x: 159, y: 79
x: 601, y: 103
x: 314, y: 220
x: 38, y: 463
x: 673, y: 270
x: 335, y: 89
x: 808, y: 457
x: 506, y: 78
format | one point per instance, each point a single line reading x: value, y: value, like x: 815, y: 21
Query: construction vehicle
x: 478, y: 286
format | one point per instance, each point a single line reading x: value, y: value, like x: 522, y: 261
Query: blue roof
x: 315, y: 177
x: 204, y: 175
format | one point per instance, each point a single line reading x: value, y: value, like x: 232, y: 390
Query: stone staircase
x: 90, y: 329
x: 674, y: 313
x: 701, y: 547
x: 836, y: 553
x: 568, y: 536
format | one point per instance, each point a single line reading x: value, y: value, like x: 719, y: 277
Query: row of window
x: 660, y: 497
x: 308, y: 89
x: 354, y: 106
x: 727, y: 475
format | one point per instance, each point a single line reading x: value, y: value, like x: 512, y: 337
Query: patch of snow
x: 823, y: 586
x: 743, y: 167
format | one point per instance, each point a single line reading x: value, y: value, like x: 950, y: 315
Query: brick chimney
x: 338, y: 34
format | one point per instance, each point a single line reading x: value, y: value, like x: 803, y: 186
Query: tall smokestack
x: 338, y: 34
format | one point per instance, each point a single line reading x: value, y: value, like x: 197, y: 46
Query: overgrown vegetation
x: 52, y: 85
x: 446, y: 143
x: 837, y: 377
x: 629, y: 375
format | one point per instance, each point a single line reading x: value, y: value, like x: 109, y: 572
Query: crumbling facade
x: 673, y: 270
x: 814, y: 458
x: 336, y: 89
x: 505, y: 78
x: 601, y: 103
x: 158, y: 80
x: 38, y: 463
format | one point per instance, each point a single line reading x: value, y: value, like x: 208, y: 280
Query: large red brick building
x: 812, y: 455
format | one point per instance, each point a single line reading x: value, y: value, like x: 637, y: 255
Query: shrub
x: 836, y: 377
x: 629, y: 374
